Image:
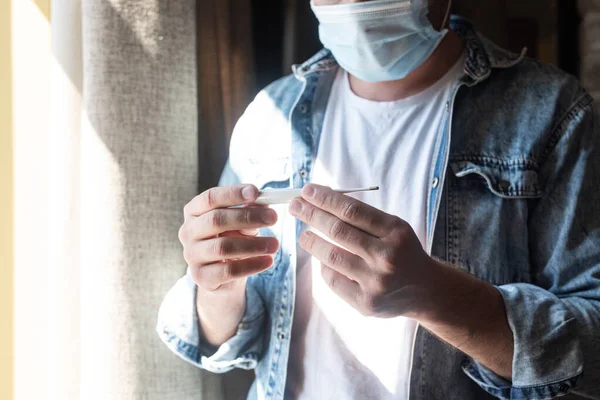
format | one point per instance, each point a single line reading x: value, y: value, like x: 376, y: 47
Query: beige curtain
x: 123, y: 162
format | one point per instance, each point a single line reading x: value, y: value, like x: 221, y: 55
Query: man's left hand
x: 384, y: 272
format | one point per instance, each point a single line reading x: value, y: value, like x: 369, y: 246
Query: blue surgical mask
x: 379, y: 40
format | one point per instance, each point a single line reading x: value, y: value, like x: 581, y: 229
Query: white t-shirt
x: 336, y: 353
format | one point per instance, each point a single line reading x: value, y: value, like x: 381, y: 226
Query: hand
x: 220, y: 243
x: 384, y: 271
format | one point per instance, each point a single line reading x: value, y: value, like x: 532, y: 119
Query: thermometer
x: 284, y: 196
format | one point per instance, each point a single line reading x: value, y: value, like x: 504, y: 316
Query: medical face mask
x: 379, y: 40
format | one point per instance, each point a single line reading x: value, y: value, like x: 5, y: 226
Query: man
x: 473, y: 273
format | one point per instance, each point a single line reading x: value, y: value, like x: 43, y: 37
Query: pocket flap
x: 507, y: 181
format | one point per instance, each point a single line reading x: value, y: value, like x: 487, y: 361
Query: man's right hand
x: 220, y: 243
x: 222, y: 249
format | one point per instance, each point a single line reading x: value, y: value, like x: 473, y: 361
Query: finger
x: 352, y: 238
x: 221, y: 197
x: 253, y: 232
x: 345, y: 288
x: 227, y: 248
x: 356, y: 213
x: 342, y: 261
x: 212, y: 277
x: 218, y: 221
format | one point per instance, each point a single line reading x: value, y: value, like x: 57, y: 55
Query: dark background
x: 285, y: 32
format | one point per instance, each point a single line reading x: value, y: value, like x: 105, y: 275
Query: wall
x: 31, y: 56
x: 516, y: 24
x: 6, y: 205
x: 590, y: 46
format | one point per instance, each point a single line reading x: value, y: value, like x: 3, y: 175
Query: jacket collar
x: 482, y: 55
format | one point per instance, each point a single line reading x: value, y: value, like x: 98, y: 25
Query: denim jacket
x: 513, y: 199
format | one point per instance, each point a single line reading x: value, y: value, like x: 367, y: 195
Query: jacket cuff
x: 178, y: 327
x: 504, y: 390
x: 548, y: 360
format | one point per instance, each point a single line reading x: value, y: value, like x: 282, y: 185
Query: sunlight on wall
x: 6, y: 206
x: 44, y: 7
x: 31, y: 57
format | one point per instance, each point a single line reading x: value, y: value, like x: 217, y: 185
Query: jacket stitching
x: 529, y: 164
x: 582, y: 104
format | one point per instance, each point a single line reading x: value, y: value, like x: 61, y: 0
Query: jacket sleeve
x: 178, y: 328
x: 556, y: 319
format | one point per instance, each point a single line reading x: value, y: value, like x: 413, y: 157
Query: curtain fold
x: 590, y: 46
x: 225, y: 78
x: 122, y: 164
x: 301, y: 37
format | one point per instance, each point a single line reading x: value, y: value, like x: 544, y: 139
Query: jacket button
x: 303, y: 108
x: 435, y: 183
x: 282, y: 336
x: 303, y: 173
x: 563, y: 387
x: 504, y: 185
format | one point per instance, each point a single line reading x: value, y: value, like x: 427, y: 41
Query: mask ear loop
x: 447, y: 14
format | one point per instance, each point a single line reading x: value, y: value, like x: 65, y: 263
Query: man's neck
x: 432, y: 70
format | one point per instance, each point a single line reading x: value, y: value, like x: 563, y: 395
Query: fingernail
x: 249, y: 193
x: 304, y: 237
x: 268, y: 217
x: 296, y: 207
x: 309, y: 191
x: 250, y: 232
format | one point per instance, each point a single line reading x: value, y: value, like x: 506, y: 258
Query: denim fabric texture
x: 514, y: 200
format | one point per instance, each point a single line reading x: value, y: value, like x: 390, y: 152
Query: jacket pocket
x: 488, y: 206
x: 506, y: 180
